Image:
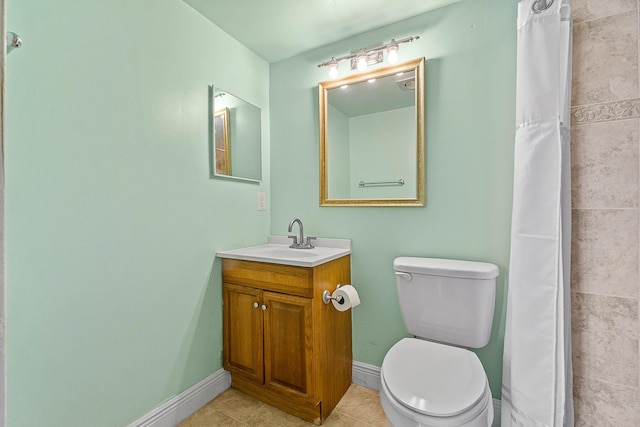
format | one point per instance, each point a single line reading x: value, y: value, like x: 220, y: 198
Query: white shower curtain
x: 537, y: 378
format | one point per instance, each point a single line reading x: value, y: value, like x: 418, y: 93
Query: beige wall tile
x: 605, y: 59
x: 604, y: 252
x: 605, y: 241
x: 605, y: 111
x: 588, y: 10
x: 605, y: 338
x: 602, y: 404
x: 604, y: 164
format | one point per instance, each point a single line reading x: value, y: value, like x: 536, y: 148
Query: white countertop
x: 277, y: 251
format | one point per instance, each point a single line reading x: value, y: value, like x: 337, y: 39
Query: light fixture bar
x: 371, y: 58
x: 368, y: 51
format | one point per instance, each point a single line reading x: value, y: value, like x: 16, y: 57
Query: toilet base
x: 401, y: 416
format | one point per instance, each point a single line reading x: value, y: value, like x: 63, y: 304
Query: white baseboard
x: 180, y: 407
x: 366, y: 375
x: 369, y: 376
x: 497, y: 413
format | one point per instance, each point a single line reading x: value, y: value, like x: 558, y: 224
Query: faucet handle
x: 295, y: 241
x: 309, y: 238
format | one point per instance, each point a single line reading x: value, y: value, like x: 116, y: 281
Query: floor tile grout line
x: 359, y: 399
x: 242, y: 424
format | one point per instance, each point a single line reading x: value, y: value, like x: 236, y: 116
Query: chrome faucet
x: 299, y: 244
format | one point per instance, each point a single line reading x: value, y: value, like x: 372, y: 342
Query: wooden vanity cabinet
x: 282, y: 344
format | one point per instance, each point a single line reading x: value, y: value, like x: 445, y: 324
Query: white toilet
x: 437, y: 382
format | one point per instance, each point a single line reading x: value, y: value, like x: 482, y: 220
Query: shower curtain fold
x: 537, y: 380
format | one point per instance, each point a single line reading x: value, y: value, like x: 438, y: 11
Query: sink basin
x: 277, y: 251
x: 280, y: 251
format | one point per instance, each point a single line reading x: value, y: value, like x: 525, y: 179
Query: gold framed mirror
x: 372, y: 138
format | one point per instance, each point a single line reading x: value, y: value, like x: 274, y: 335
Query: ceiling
x: 375, y: 95
x: 278, y: 29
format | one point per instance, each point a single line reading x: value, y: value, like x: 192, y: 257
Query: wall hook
x: 13, y: 41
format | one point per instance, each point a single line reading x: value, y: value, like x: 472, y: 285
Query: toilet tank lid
x: 446, y: 267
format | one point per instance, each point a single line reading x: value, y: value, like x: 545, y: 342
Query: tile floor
x: 360, y: 407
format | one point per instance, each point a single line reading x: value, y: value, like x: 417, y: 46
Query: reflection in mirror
x: 235, y: 135
x: 221, y: 141
x: 372, y: 138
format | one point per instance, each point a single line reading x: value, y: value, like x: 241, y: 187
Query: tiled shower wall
x: 605, y: 188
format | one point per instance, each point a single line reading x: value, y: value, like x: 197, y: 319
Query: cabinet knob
x: 255, y: 305
x: 264, y: 307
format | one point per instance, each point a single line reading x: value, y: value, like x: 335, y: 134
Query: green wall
x: 470, y: 94
x: 112, y: 222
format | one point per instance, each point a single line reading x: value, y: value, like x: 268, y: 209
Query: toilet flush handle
x: 405, y: 276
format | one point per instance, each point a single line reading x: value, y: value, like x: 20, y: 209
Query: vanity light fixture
x: 333, y: 68
x: 360, y: 59
x: 392, y: 52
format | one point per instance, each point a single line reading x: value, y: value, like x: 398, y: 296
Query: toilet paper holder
x: 326, y: 297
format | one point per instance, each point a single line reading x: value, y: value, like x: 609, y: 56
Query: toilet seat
x: 435, y: 379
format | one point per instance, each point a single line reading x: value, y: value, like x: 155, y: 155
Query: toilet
x: 432, y: 379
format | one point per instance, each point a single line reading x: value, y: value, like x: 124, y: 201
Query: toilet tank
x: 445, y: 300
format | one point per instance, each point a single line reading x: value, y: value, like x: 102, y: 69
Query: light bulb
x: 392, y: 52
x: 362, y: 61
x: 333, y: 69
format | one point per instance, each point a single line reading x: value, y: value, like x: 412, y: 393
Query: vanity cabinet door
x: 243, y: 324
x: 281, y: 343
x: 288, y: 341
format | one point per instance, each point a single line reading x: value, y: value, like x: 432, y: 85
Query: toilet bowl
x: 450, y: 390
x: 433, y: 380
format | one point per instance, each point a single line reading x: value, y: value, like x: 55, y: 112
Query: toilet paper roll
x: 348, y: 295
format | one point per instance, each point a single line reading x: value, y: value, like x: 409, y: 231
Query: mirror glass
x: 235, y: 148
x: 372, y: 138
